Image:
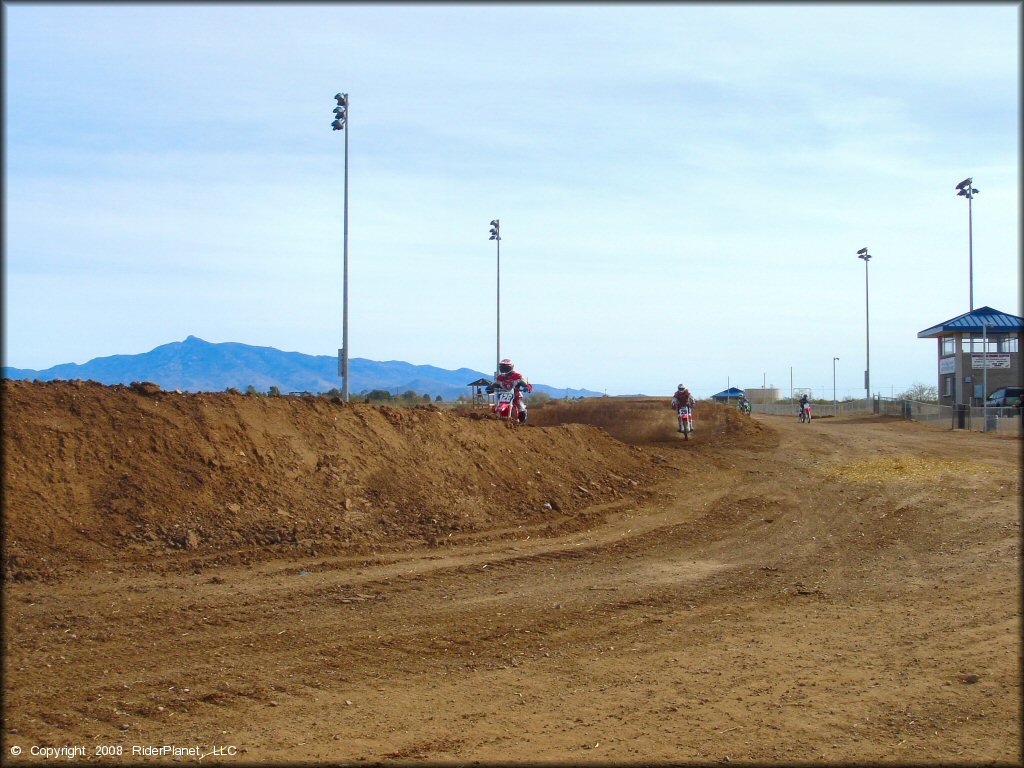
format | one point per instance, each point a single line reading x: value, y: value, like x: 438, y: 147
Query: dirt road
x: 769, y: 591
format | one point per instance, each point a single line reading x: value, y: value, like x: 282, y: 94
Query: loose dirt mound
x: 94, y: 473
x: 643, y: 421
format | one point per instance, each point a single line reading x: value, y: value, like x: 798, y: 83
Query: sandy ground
x: 844, y: 591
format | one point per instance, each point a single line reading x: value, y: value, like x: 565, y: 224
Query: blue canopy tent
x: 728, y: 395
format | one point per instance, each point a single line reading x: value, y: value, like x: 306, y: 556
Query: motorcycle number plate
x: 506, y: 397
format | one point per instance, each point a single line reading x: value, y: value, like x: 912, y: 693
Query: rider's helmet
x: 505, y: 366
x: 680, y: 388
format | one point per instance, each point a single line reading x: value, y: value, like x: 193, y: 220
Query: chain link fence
x: 1006, y: 421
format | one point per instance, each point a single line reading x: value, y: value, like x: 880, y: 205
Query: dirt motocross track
x: 298, y: 580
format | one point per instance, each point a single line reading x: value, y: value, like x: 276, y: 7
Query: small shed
x: 477, y: 394
x: 730, y: 395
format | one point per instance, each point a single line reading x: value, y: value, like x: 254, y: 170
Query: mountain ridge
x: 196, y: 365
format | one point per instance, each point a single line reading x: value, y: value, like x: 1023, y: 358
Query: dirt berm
x: 95, y: 474
x: 269, y: 580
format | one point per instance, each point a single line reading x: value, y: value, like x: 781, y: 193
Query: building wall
x: 957, y: 378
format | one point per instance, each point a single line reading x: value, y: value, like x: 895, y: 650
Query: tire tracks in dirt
x: 756, y: 605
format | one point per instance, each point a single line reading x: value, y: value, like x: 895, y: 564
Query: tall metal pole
x: 984, y: 376
x: 344, y: 291
x: 966, y: 189
x: 496, y: 237
x: 867, y: 332
x: 835, y: 405
x: 863, y: 254
x: 970, y: 248
x: 341, y: 124
x: 497, y: 347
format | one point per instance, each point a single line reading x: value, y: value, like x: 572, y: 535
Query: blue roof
x: 727, y: 393
x: 971, y: 322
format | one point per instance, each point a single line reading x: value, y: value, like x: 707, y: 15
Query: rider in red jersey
x: 682, y: 398
x: 510, y: 379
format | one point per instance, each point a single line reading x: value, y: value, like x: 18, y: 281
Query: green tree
x: 438, y: 399
x: 274, y: 391
x: 251, y: 390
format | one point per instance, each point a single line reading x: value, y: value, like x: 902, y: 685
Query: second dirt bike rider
x: 510, y: 379
x: 683, y: 399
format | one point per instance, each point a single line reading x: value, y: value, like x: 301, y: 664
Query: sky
x: 682, y: 188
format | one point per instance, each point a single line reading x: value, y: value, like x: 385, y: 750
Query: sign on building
x: 947, y: 365
x: 990, y: 360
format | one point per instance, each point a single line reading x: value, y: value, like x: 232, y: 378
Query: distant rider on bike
x: 804, y: 401
x: 683, y: 399
x: 744, y: 404
x: 510, y: 379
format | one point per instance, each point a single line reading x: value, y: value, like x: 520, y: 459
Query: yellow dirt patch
x: 886, y: 468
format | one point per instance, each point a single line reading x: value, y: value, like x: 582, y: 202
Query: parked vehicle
x: 1005, y: 397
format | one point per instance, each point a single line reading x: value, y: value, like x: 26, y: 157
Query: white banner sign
x: 947, y: 365
x: 993, y: 361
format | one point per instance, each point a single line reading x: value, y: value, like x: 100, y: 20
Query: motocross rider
x: 744, y: 404
x: 510, y: 378
x: 803, y: 402
x: 682, y: 398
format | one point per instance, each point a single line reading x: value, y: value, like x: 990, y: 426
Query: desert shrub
x: 539, y: 399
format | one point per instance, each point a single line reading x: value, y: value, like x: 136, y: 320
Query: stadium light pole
x: 966, y: 189
x: 835, y: 406
x: 341, y: 123
x: 496, y: 237
x: 863, y: 254
x: 984, y: 376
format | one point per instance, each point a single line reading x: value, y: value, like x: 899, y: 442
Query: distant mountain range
x: 194, y: 365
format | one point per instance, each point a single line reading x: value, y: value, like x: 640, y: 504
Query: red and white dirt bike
x: 686, y: 421
x: 805, y: 413
x: 508, y: 405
